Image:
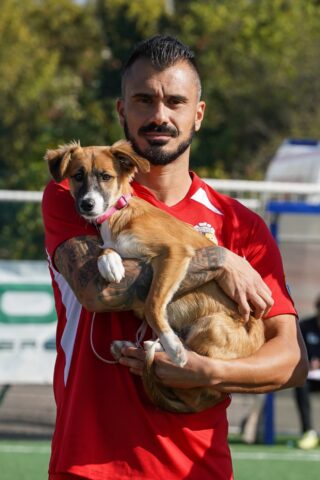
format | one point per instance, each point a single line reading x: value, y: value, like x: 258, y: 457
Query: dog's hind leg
x: 168, y: 273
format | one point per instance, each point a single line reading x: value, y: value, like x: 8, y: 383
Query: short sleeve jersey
x: 106, y: 428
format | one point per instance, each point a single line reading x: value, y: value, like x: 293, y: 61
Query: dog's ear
x: 128, y: 158
x: 58, y: 160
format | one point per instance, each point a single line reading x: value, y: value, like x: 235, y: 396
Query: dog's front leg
x: 110, y: 266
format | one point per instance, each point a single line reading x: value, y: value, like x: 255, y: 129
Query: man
x: 310, y: 329
x: 106, y: 428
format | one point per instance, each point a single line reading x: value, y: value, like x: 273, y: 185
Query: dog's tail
x: 160, y: 395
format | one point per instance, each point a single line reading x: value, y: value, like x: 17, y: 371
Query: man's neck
x: 169, y: 183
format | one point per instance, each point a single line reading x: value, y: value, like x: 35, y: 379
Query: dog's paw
x: 117, y: 346
x: 174, y: 348
x: 111, y: 267
x: 147, y: 344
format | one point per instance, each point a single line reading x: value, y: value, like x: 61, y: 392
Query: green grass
x: 278, y: 462
x: 28, y: 460
x: 24, y: 460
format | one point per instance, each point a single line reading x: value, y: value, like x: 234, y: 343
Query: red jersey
x: 106, y: 428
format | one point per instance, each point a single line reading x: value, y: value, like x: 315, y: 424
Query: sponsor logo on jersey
x: 207, y: 230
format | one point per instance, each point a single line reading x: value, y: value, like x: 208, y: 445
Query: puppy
x: 205, y: 320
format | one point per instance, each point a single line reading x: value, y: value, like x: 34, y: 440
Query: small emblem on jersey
x: 207, y: 230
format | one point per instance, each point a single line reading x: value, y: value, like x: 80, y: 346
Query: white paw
x: 111, y: 267
x: 117, y: 346
x: 152, y: 343
x: 174, y: 348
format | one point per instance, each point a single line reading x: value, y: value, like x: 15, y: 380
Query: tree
x: 61, y: 62
x: 49, y: 59
x: 249, y: 59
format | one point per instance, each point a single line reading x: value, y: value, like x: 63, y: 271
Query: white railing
x: 264, y: 187
x: 253, y: 194
x: 20, y: 196
x: 240, y: 189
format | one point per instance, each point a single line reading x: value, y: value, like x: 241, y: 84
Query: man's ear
x: 59, y: 159
x: 199, y: 115
x: 120, y: 110
x: 128, y: 158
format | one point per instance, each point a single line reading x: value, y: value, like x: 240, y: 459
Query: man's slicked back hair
x: 163, y: 51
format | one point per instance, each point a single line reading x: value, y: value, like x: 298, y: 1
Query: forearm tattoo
x: 203, y: 267
x: 76, y: 260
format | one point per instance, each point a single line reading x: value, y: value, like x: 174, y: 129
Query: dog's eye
x: 78, y: 176
x: 106, y: 177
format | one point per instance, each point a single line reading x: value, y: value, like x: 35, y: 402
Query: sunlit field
x: 28, y: 460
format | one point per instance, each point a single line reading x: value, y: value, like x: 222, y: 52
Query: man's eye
x: 106, y: 177
x: 145, y: 100
x: 78, y: 176
x: 175, y: 102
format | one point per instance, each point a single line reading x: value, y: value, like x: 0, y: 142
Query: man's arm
x: 76, y: 260
x: 280, y: 363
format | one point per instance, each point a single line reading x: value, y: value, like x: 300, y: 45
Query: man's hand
x: 196, y: 373
x: 234, y: 275
x: 240, y: 281
x: 281, y: 362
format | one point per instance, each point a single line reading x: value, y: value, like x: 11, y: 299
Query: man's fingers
x: 245, y: 286
x: 261, y: 302
x: 244, y: 308
x: 135, y: 366
x: 133, y: 358
x: 258, y: 307
x: 252, y: 302
x: 133, y: 352
x: 264, y: 292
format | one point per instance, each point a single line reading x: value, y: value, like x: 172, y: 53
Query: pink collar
x: 121, y: 203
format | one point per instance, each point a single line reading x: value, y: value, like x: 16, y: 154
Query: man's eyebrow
x: 176, y: 97
x: 179, y: 98
x: 142, y: 94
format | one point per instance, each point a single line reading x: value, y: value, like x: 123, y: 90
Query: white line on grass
x: 8, y: 448
x: 292, y: 456
x: 284, y: 456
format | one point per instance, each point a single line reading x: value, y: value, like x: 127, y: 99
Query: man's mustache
x: 153, y: 127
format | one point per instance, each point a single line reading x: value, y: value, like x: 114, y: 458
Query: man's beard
x: 154, y: 152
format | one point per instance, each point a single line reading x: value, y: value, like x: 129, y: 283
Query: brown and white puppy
x: 205, y: 320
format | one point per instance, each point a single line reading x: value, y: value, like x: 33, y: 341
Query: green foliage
x: 60, y: 63
x: 249, y: 58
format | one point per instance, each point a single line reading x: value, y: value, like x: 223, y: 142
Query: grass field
x: 27, y: 460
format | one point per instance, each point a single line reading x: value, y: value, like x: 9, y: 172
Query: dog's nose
x: 87, y: 204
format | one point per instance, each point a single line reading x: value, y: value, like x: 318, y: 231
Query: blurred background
x: 60, y: 64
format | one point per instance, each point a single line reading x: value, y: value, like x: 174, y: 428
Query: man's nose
x: 160, y: 114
